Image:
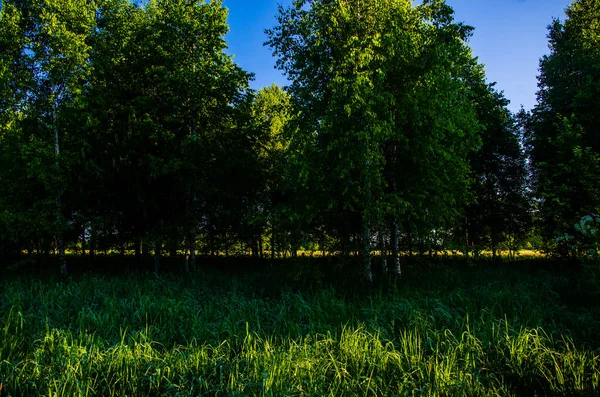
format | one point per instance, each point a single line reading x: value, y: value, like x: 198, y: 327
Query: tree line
x: 126, y: 126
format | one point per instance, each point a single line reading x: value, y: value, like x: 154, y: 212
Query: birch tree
x: 52, y: 65
x: 385, y: 123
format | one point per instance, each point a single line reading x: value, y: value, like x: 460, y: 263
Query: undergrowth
x: 435, y: 332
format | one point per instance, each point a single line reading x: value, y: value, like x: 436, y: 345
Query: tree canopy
x: 126, y: 126
x: 562, y: 130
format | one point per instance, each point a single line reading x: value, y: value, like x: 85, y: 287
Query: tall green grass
x: 440, y: 332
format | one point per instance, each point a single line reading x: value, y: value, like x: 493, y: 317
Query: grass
x: 437, y: 332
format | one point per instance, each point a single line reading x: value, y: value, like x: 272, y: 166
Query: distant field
x: 318, y: 253
x: 438, y: 331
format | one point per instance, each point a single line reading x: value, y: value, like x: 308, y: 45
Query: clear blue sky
x: 509, y: 39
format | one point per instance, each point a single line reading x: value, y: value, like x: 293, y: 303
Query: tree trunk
x: 395, y: 250
x: 254, y: 247
x: 382, y: 252
x: 272, y: 244
x: 345, y: 245
x: 157, y: 249
x: 60, y: 241
x: 366, y: 250
x: 260, y: 247
x: 105, y: 236
x: 211, y: 241
x: 61, y: 255
x: 145, y: 250
x: 190, y: 246
x: 466, y: 238
x: 92, y: 246
x: 83, y: 242
x: 394, y: 224
x: 138, y: 253
x: 186, y: 256
x: 192, y: 260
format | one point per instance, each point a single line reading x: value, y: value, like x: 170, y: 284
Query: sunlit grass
x: 444, y: 333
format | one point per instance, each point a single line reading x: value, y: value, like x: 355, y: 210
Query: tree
x: 380, y: 89
x: 561, y: 131
x: 116, y: 118
x: 161, y: 99
x: 271, y: 112
x: 436, y: 126
x: 331, y: 54
x: 500, y: 208
x: 14, y: 225
x: 49, y: 63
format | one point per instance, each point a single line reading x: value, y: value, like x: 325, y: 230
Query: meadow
x: 439, y: 330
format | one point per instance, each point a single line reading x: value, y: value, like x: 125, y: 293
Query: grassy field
x: 438, y: 331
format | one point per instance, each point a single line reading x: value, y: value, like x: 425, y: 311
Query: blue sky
x: 509, y: 39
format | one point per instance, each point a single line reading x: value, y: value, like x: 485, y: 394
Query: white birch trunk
x: 60, y: 241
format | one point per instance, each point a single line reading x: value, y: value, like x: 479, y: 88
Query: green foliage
x: 382, y: 94
x: 270, y: 114
x: 169, y: 87
x: 562, y: 129
x: 116, y: 118
x: 499, y: 214
x: 125, y: 125
x: 492, y: 332
x: 584, y: 244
